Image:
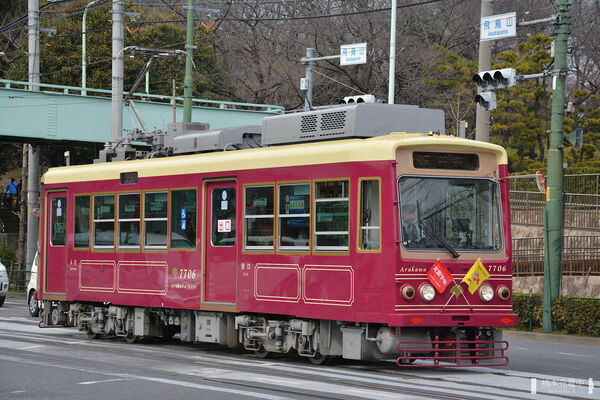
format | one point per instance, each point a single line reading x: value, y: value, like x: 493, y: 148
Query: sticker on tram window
x: 59, y: 227
x: 260, y: 202
x: 183, y: 224
x: 59, y: 210
x: 224, y: 205
x: 224, y: 225
x: 296, y: 204
x: 183, y: 212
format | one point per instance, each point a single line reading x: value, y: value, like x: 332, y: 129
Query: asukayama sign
x: 498, y: 26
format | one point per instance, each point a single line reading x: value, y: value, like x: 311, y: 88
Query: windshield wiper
x: 448, y: 246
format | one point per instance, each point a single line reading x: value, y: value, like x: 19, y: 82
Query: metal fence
x: 581, y: 199
x: 581, y: 255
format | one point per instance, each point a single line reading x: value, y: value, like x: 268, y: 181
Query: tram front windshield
x: 438, y: 212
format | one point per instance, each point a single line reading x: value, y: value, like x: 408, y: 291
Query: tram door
x: 56, y: 241
x: 221, y: 242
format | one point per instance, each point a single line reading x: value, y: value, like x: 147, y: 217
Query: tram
x: 359, y: 231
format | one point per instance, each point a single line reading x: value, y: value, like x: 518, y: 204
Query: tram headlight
x: 427, y: 292
x: 503, y: 292
x: 408, y: 292
x: 486, y: 293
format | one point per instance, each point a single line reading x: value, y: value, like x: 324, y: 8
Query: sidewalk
x: 545, y: 337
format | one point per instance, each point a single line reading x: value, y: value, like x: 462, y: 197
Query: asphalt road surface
x: 62, y: 363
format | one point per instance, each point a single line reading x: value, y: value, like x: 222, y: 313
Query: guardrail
x: 581, y: 201
x: 581, y: 256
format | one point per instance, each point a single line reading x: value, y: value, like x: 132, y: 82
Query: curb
x: 547, y: 337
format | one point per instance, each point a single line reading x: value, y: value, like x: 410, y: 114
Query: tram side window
x: 259, y: 217
x: 58, y: 232
x: 129, y: 220
x: 104, y: 221
x: 81, y: 239
x: 183, y: 219
x: 331, y: 221
x: 155, y: 220
x: 370, y: 219
x: 294, y: 216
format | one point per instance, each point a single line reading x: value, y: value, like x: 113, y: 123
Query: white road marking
x: 572, y: 354
x: 31, y: 347
x: 106, y: 380
x: 520, y: 348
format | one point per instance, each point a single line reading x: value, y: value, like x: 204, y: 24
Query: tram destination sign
x: 498, y: 26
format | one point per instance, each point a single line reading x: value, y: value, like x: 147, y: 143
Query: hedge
x: 573, y: 315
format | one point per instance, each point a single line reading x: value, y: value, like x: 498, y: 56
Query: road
x: 63, y: 363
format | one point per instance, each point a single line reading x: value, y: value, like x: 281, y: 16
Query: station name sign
x: 498, y: 26
x: 352, y: 54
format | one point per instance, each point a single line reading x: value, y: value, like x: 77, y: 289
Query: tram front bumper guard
x: 454, y: 353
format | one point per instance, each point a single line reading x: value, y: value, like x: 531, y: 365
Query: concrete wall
x: 577, y: 286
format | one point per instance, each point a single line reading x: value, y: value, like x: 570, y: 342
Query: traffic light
x: 365, y: 98
x: 496, y: 78
x: 487, y: 100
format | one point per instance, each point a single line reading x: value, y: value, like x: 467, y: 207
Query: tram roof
x: 378, y: 148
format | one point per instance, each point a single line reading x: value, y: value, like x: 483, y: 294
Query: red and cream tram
x: 357, y: 248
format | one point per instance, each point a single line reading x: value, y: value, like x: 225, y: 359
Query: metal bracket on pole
x: 49, y: 31
x: 306, y: 60
x: 554, y: 18
x: 209, y: 11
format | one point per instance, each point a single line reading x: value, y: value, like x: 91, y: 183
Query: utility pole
x: 392, y: 76
x: 33, y: 153
x: 553, y: 213
x: 188, y: 82
x: 117, y: 70
x: 482, y: 117
x: 83, y: 47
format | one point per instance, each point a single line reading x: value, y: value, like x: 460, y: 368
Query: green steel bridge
x: 61, y: 113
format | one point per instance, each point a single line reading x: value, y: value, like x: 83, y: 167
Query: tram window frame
x: 191, y: 219
x: 250, y: 217
x: 149, y: 220
x: 103, y: 221
x: 320, y: 212
x: 285, y: 216
x: 58, y: 219
x: 129, y: 221
x: 364, y: 219
x: 79, y: 216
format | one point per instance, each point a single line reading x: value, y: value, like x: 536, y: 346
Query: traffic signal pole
x: 188, y: 81
x: 482, y: 116
x: 553, y: 213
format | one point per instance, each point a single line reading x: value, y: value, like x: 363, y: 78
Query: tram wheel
x: 131, y: 338
x: 56, y: 317
x: 91, y: 334
x: 261, y: 353
x: 320, y: 359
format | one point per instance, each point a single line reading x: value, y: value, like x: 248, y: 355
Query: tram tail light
x: 503, y: 292
x: 408, y: 292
